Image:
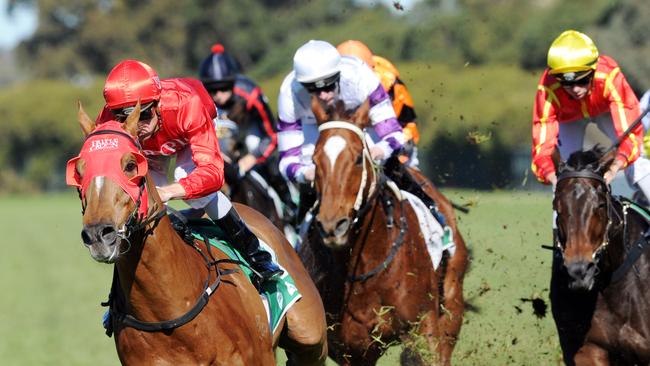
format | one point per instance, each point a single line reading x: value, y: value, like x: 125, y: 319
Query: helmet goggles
x: 146, y: 111
x: 327, y: 84
x: 575, y: 78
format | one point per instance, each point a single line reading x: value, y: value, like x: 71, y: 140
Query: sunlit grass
x: 51, y: 288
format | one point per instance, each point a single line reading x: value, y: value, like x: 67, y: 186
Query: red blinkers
x: 102, y: 152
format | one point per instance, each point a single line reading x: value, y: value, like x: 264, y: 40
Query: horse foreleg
x: 452, y: 302
x: 591, y: 355
x: 424, y: 346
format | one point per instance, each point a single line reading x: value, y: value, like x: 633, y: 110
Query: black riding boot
x: 240, y: 236
x: 396, y: 171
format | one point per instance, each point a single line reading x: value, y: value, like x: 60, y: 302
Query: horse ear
x: 131, y: 123
x: 361, y: 117
x: 319, y: 111
x: 606, y: 160
x: 87, y: 124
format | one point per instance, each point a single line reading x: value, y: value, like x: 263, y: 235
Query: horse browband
x: 581, y: 174
x: 109, y: 132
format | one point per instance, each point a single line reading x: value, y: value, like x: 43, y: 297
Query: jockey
x: 176, y: 119
x: 581, y: 87
x: 319, y: 70
x: 397, y: 91
x: 240, y: 100
x: 644, y: 104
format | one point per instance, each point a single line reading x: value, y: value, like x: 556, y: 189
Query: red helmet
x: 129, y: 81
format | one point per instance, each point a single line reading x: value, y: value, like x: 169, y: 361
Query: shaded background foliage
x: 471, y: 66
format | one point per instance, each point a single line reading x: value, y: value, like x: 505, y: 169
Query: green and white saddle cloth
x: 277, y: 295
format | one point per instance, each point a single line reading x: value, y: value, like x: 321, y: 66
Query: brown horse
x: 369, y: 259
x: 600, y: 288
x: 161, y: 276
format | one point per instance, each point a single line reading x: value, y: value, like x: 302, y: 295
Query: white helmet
x: 315, y: 60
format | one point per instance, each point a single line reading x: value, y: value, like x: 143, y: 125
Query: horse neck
x: 160, y: 276
x: 373, y: 224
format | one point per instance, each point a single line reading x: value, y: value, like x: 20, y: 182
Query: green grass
x: 51, y: 288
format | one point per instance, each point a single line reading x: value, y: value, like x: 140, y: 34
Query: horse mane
x: 584, y: 160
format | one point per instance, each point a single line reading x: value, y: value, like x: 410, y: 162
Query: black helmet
x: 218, y: 70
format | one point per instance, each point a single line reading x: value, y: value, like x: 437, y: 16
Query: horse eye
x: 130, y: 166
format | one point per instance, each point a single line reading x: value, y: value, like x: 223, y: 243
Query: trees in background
x: 77, y: 38
x: 471, y: 64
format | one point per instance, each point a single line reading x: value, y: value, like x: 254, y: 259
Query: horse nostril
x: 590, y: 266
x: 342, y: 226
x: 86, y: 237
x: 108, y: 234
x: 104, y: 233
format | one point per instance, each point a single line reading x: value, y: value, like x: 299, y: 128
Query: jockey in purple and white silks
x: 319, y: 69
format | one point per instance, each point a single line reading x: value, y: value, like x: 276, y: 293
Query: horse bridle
x: 366, y: 157
x: 586, y: 174
x: 360, y: 207
x: 134, y: 221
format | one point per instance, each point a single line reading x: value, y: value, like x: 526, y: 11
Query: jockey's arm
x: 624, y: 109
x: 291, y: 137
x: 208, y: 176
x: 545, y: 130
x: 171, y: 191
x: 385, y: 124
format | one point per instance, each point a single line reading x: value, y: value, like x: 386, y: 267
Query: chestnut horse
x: 369, y: 259
x: 600, y: 288
x: 191, y: 306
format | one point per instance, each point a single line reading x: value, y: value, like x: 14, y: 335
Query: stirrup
x: 267, y: 271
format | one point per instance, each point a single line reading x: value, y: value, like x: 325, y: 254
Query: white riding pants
x: 216, y: 205
x: 571, y: 138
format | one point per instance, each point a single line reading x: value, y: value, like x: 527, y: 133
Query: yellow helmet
x: 572, y: 51
x: 356, y: 49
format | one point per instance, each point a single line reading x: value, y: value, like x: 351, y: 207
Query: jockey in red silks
x: 176, y: 118
x: 581, y: 87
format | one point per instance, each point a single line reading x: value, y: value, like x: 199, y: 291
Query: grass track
x: 51, y: 288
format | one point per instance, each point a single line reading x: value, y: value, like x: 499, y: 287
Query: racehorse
x: 160, y: 277
x: 600, y: 288
x: 369, y: 259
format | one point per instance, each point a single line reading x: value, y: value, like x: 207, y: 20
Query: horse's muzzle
x: 101, y: 240
x: 582, y: 274
x: 334, y: 234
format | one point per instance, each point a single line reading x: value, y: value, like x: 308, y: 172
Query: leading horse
x: 600, y: 287
x: 192, y: 306
x: 369, y: 259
